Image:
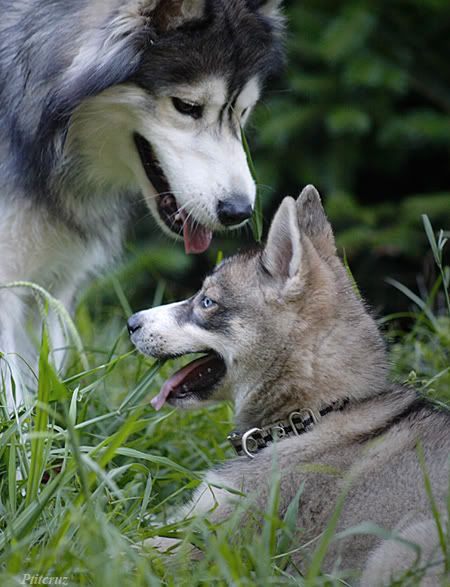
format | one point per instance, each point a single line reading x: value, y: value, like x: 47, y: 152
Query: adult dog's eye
x: 188, y: 108
x: 207, y: 303
x: 244, y: 112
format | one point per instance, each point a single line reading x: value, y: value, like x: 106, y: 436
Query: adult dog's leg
x: 15, y: 348
x: 57, y: 329
x: 19, y: 360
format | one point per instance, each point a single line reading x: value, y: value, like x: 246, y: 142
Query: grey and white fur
x: 285, y: 331
x: 80, y: 83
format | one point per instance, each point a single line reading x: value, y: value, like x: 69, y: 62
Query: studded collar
x: 298, y: 422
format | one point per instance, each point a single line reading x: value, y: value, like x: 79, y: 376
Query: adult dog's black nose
x: 234, y: 210
x: 133, y: 324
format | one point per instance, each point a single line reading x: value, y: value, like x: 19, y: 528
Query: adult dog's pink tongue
x: 175, y: 381
x: 197, y: 238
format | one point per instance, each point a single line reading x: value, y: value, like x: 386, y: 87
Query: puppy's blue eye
x: 207, y: 303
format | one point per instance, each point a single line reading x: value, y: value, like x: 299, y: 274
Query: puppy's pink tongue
x: 196, y: 238
x: 159, y: 400
x: 175, y: 381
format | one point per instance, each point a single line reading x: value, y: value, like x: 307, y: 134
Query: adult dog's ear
x: 165, y: 15
x: 269, y: 7
x: 282, y: 254
x: 314, y: 223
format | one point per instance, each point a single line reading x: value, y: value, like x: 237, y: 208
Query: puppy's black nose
x: 234, y: 210
x: 133, y: 324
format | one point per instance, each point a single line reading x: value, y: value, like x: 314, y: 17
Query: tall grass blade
x: 432, y: 239
x: 142, y: 387
x: 290, y: 528
x: 146, y: 497
x: 12, y: 472
x: 257, y: 218
x: 269, y: 533
x: 159, y: 293
x: 437, y: 249
x: 350, y: 276
x: 415, y: 298
x: 434, y: 508
x: 157, y: 460
x: 325, y: 540
x: 121, y: 296
x: 37, y: 464
x: 70, y: 418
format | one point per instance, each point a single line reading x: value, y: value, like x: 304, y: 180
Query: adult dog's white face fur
x: 195, y: 177
x: 173, y: 131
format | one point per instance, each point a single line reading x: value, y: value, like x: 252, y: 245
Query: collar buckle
x: 252, y: 441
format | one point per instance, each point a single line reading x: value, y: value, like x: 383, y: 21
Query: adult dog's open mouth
x: 197, y: 379
x: 197, y: 238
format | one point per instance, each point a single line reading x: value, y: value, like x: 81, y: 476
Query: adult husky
x: 289, y: 342
x: 105, y: 100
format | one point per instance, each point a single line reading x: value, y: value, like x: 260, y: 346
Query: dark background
x: 362, y: 112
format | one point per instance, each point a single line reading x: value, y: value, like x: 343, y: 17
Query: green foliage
x: 362, y: 81
x: 423, y: 353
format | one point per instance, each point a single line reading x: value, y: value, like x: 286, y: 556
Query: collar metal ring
x: 247, y: 437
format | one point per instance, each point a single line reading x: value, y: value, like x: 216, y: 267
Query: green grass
x: 89, y: 470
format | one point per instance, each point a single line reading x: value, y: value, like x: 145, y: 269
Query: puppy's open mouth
x: 195, y: 380
x: 197, y: 238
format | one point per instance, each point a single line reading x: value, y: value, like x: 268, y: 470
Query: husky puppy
x: 106, y: 101
x: 286, y: 338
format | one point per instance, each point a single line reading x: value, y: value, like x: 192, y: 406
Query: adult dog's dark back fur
x: 104, y: 100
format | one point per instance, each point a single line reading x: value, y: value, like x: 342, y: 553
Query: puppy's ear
x: 165, y: 15
x: 314, y: 223
x: 282, y: 254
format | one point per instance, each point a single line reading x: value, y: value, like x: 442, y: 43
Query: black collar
x: 297, y: 423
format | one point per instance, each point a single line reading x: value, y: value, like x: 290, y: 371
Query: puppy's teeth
x: 178, y: 217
